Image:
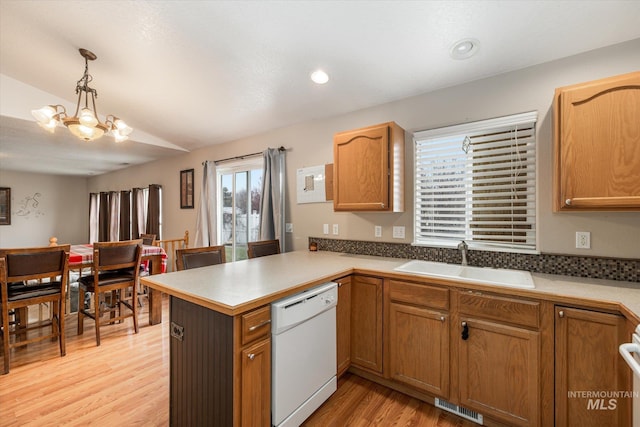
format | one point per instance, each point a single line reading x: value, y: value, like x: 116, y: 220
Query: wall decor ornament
x: 186, y: 189
x: 5, y: 206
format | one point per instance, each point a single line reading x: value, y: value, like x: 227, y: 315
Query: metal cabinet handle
x: 382, y: 205
x: 567, y: 202
x: 442, y: 318
x: 465, y: 331
x: 561, y: 313
x: 251, y: 356
x: 259, y: 325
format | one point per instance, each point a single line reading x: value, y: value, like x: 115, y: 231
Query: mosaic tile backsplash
x: 567, y: 265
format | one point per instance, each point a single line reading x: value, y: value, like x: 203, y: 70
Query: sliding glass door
x: 239, y: 207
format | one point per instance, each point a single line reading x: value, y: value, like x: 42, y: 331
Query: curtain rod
x: 281, y: 148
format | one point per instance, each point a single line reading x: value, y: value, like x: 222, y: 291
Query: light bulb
x: 119, y: 137
x: 85, y: 132
x: 319, y: 77
x: 49, y: 126
x: 464, y: 48
x: 87, y: 117
x: 44, y: 115
x: 123, y: 128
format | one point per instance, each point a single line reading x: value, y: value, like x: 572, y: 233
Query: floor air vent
x: 459, y: 410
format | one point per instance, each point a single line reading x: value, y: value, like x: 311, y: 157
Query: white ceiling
x: 187, y: 74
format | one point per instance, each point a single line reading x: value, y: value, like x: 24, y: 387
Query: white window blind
x: 477, y: 182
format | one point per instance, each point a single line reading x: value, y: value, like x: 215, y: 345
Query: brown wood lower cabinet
x: 366, y: 323
x: 497, y: 345
x: 498, y: 370
x: 256, y: 384
x: 343, y: 325
x: 587, y: 361
x: 418, y: 336
x: 419, y: 348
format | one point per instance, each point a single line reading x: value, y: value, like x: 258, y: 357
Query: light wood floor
x: 359, y: 402
x: 125, y: 382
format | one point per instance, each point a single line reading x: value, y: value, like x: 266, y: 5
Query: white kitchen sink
x: 468, y: 274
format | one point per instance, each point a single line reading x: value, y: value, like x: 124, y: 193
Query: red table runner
x: 83, y: 254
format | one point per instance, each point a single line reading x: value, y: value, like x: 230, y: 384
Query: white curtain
x: 206, y: 221
x: 141, y: 211
x: 272, y: 202
x: 114, y: 216
x: 94, y: 205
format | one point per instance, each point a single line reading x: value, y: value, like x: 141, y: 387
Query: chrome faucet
x: 464, y: 248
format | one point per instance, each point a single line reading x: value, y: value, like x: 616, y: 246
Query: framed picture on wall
x: 186, y: 189
x: 5, y: 206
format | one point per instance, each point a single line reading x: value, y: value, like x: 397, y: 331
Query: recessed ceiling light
x: 319, y: 77
x: 464, y: 48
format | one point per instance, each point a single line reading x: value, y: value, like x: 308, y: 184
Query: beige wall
x: 310, y: 144
x: 43, y: 206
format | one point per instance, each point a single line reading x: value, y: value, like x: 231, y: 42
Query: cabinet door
x: 597, y: 145
x: 343, y: 325
x: 256, y: 385
x: 361, y: 165
x: 368, y: 172
x: 419, y: 348
x: 587, y: 360
x: 499, y: 371
x: 366, y: 323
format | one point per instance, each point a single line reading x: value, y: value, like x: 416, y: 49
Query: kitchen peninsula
x: 220, y: 327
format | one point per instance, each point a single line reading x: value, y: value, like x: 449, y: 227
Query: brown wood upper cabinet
x: 369, y: 169
x: 597, y: 145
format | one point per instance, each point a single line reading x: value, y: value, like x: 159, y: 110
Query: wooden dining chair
x: 116, y: 268
x: 32, y: 276
x: 170, y: 246
x: 199, y: 257
x: 263, y: 248
x: 148, y: 239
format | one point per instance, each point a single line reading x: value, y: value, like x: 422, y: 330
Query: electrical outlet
x: 325, y: 228
x: 377, y: 231
x: 288, y: 227
x: 398, y: 232
x: 583, y: 240
x: 335, y: 229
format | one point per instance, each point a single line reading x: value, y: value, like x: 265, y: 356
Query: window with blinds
x: 477, y: 182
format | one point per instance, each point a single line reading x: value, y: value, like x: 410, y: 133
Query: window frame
x: 474, y: 128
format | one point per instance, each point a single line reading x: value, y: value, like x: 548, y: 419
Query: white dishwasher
x: 303, y: 354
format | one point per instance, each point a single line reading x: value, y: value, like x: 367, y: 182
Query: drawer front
x: 504, y: 309
x: 256, y: 324
x: 424, y: 295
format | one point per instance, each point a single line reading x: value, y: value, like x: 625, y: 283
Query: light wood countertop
x: 236, y: 287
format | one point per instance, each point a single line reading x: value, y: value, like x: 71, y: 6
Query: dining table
x: 81, y: 257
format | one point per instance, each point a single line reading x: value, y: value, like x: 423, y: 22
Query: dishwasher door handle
x: 625, y: 351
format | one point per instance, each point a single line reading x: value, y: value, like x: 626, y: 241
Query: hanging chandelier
x: 85, y: 123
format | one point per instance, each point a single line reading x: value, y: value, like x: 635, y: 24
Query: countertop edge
x: 596, y: 293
